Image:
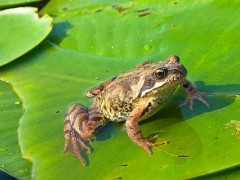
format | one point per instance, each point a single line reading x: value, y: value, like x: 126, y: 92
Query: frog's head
x: 161, y: 76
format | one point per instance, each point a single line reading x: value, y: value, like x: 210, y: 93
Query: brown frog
x: 131, y: 97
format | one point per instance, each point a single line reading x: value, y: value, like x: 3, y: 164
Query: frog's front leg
x: 134, y: 131
x: 193, y: 94
x: 99, y: 88
x: 79, y: 125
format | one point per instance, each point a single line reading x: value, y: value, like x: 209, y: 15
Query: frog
x: 130, y: 97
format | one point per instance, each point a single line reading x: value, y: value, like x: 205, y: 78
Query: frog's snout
x: 180, y: 70
x: 183, y: 70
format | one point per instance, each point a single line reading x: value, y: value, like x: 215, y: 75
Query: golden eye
x: 160, y: 73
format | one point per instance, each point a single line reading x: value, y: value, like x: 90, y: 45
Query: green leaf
x: 58, y: 7
x: 21, y: 30
x: 92, y: 42
x: 10, y: 155
x: 7, y: 3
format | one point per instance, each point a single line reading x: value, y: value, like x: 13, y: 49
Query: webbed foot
x: 135, y: 134
x: 193, y: 94
x: 147, y: 144
x: 75, y: 117
x: 191, y: 98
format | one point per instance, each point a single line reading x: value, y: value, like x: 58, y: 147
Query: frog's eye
x: 160, y: 73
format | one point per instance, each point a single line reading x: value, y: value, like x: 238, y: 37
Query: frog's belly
x: 115, y: 112
x: 151, y: 112
x: 152, y: 106
x: 117, y: 116
x: 119, y: 112
x: 121, y: 116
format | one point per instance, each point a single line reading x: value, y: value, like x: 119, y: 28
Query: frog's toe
x: 153, y: 138
x: 148, y: 143
x: 83, y: 144
x: 151, y: 144
x: 200, y: 98
x: 75, y: 140
x: 191, y: 98
x: 66, y: 145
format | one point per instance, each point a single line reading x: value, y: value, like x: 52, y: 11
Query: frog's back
x: 118, y: 99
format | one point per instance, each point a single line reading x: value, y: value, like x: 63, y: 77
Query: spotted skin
x: 98, y: 89
x: 131, y: 97
x: 79, y: 125
x: 134, y: 131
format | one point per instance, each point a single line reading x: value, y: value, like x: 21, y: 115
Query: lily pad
x: 7, y: 3
x: 94, y: 42
x: 21, y: 30
x: 10, y: 152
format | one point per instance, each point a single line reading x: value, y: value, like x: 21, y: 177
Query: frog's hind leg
x: 79, y: 125
x: 75, y: 122
x: 99, y: 88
